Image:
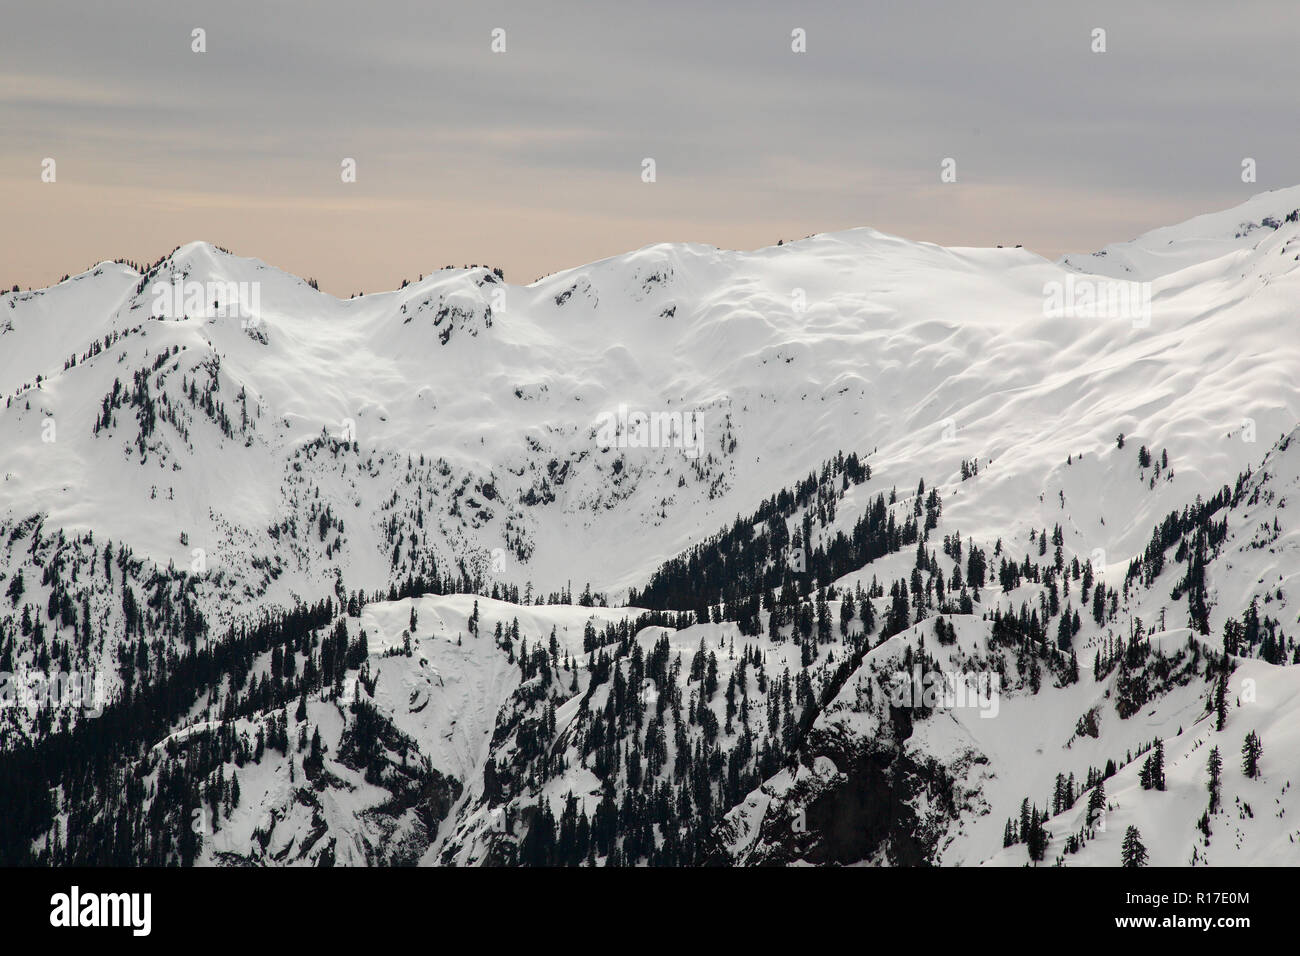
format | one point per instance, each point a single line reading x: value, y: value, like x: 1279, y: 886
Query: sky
x: 532, y: 159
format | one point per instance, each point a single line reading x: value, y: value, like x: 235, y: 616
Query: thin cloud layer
x: 531, y: 159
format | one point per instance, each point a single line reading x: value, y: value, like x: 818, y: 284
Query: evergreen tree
x: 1221, y: 699
x: 1097, y: 804
x: 1215, y: 767
x: 1251, y: 751
x: 1133, y: 853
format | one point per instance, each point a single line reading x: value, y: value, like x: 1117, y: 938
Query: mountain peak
x: 1196, y: 240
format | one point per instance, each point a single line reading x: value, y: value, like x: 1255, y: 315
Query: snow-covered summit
x: 188, y: 450
x: 1201, y: 239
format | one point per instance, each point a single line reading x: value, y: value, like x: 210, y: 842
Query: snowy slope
x: 1200, y: 239
x: 898, y: 345
x: 315, y: 447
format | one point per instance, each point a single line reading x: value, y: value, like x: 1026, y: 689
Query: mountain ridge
x: 305, y: 480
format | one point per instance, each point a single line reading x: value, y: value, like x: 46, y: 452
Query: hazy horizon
x: 518, y: 159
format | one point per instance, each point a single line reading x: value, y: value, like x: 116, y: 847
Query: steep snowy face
x: 591, y: 424
x: 1200, y: 239
x: 520, y: 733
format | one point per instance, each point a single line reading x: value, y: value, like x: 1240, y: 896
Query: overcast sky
x: 531, y: 159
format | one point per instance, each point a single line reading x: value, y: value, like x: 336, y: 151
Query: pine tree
x: 1215, y: 766
x: 1221, y: 699
x: 1251, y: 751
x: 1133, y: 853
x: 1097, y: 805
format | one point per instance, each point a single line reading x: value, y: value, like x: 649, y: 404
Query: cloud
x: 1056, y: 146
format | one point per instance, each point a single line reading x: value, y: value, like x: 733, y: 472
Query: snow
x: 897, y: 340
x: 464, y: 394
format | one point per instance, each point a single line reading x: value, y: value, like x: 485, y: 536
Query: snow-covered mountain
x: 334, y: 548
